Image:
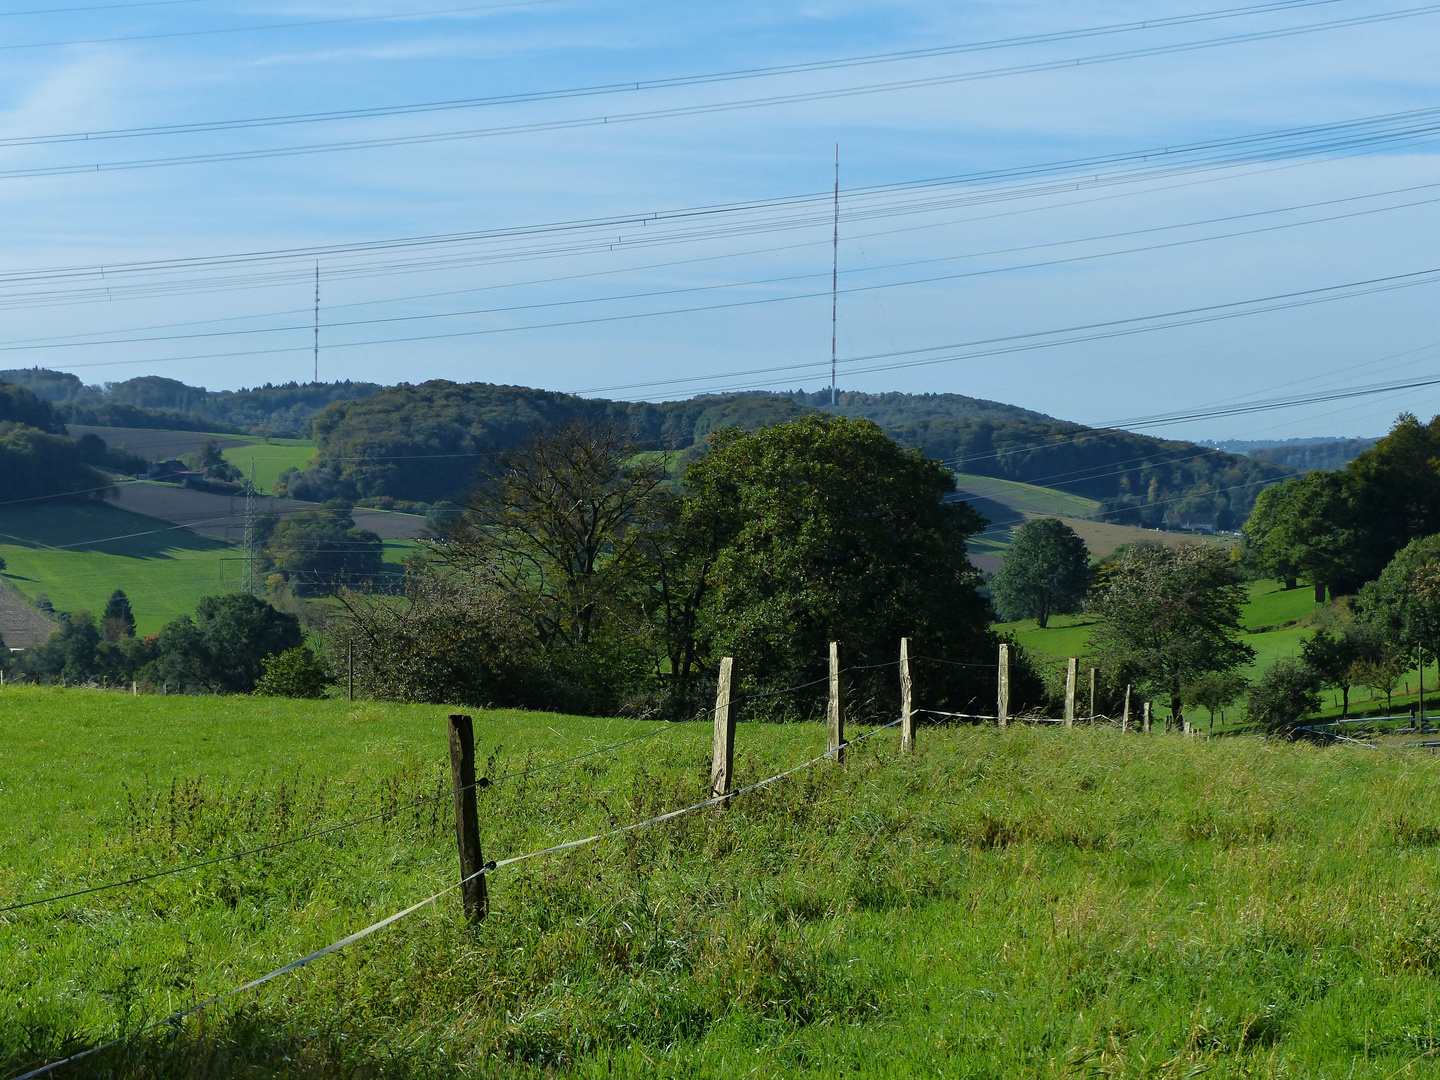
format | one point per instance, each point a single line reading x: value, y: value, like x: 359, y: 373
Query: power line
x: 678, y: 112
x: 96, y: 339
x: 289, y: 119
x: 1338, y: 137
x: 410, y: 16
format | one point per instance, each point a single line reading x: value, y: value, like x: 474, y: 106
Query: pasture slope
x: 76, y: 555
x: 1028, y: 903
x: 1007, y: 504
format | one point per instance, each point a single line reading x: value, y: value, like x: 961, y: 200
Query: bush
x: 1287, y: 692
x: 294, y: 673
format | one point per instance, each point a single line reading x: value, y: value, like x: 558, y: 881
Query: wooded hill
x: 410, y: 447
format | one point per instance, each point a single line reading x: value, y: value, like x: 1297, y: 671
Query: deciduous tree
x: 1045, y: 572
x: 1172, y: 615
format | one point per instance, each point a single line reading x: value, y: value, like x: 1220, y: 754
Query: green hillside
x: 1027, y: 498
x: 270, y: 459
x: 78, y: 555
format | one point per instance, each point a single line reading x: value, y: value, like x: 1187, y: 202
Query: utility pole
x: 317, y: 320
x: 834, y: 273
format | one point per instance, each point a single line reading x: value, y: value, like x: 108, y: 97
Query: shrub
x: 294, y: 673
x: 1284, y: 694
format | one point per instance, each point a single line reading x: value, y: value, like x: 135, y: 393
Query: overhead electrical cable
x: 1339, y: 137
x: 632, y: 86
x: 410, y: 16
x: 712, y: 108
x: 100, y: 338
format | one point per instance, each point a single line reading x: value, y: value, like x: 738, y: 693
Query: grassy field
x: 78, y: 555
x: 271, y: 459
x: 1033, y: 903
x: 1027, y: 498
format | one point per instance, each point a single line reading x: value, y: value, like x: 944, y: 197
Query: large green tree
x: 1171, y: 616
x: 1403, y: 603
x: 1306, y: 528
x: 1046, y: 572
x: 320, y: 551
x: 223, y: 648
x: 826, y: 530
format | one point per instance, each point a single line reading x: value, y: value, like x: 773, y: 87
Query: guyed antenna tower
x: 317, y: 320
x: 834, y: 273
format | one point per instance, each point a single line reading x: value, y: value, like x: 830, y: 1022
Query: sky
x: 1194, y: 218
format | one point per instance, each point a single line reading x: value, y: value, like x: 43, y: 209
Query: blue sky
x: 737, y: 296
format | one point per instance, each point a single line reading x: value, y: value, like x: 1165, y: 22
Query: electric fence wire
x: 489, y: 868
x: 481, y: 783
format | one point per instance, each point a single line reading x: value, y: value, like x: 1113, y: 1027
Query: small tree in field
x: 1216, y: 692
x: 1380, y: 673
x: 1288, y: 691
x: 1173, y: 616
x: 1046, y: 572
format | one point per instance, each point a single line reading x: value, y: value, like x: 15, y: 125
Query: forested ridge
x: 413, y: 446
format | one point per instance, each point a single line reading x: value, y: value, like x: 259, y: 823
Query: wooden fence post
x: 834, y: 710
x: 722, y: 754
x: 1146, y: 713
x: 1125, y: 716
x: 1002, y: 696
x: 467, y: 821
x: 134, y: 688
x: 907, y: 719
x: 1093, y: 672
x: 350, y: 672
x: 1072, y: 673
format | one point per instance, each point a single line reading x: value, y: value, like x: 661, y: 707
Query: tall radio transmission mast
x: 834, y: 273
x: 317, y: 320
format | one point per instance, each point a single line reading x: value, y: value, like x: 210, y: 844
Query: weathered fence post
x: 134, y: 687
x: 1002, y: 687
x: 722, y: 754
x: 907, y: 719
x: 467, y: 821
x: 1072, y: 673
x: 350, y: 672
x: 1146, y: 713
x: 1125, y: 716
x: 1093, y: 672
x: 834, y: 710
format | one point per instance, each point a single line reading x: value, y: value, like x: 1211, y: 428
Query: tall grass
x: 1019, y: 903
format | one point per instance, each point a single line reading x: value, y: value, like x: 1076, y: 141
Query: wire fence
x: 449, y: 793
x: 490, y: 868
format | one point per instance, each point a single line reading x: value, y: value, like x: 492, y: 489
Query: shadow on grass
x: 95, y: 527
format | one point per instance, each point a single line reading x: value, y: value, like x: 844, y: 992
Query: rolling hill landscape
x: 395, y: 453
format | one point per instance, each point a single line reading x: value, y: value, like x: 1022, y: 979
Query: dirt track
x: 21, y: 625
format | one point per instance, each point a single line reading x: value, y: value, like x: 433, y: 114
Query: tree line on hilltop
x: 415, y: 447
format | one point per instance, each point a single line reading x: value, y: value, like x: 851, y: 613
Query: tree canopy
x: 1171, y: 616
x: 1046, y: 572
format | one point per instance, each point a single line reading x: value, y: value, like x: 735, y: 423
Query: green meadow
x: 77, y: 555
x: 270, y: 459
x: 1026, y: 903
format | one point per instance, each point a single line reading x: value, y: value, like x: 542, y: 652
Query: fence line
x: 482, y: 782
x: 489, y: 868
